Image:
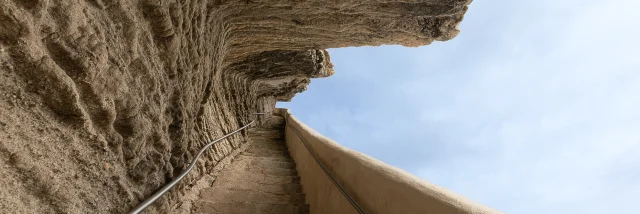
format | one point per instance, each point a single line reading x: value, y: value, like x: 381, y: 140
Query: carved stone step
x: 268, y: 141
x: 249, y: 208
x: 249, y: 160
x: 266, y: 144
x: 242, y: 196
x: 282, y: 147
x: 258, y: 187
x: 270, y: 133
x: 247, y: 166
x: 267, y: 150
x: 278, y: 159
x: 247, y: 176
x: 262, y: 154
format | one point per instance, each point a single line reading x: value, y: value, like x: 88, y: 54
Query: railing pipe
x: 175, y: 181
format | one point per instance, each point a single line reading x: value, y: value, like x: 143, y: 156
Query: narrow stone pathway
x: 262, y: 179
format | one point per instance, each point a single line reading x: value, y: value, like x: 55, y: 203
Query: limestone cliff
x: 104, y: 101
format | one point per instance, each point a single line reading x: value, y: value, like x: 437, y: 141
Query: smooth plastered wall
x: 376, y: 186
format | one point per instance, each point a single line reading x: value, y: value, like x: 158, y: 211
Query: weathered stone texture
x: 104, y: 101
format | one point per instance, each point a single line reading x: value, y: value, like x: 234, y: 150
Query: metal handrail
x: 175, y: 181
x: 344, y: 192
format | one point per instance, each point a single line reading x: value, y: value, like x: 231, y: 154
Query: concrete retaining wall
x: 376, y: 186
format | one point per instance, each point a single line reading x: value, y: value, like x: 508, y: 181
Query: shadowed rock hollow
x: 104, y: 101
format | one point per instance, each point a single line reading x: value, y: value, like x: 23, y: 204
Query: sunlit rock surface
x: 104, y: 101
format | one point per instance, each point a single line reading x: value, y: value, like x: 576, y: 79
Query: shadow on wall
x: 376, y: 186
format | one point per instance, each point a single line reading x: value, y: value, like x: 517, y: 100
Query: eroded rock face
x: 104, y: 101
x: 283, y: 73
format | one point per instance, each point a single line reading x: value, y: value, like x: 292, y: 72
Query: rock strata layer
x: 104, y: 101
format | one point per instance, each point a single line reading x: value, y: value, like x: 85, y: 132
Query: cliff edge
x: 104, y: 101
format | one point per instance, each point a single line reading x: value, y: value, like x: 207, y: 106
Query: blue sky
x: 533, y: 108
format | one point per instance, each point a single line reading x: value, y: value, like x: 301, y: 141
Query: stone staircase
x: 262, y: 179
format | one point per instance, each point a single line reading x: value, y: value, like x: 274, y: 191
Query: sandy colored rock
x: 251, y: 185
x: 141, y: 85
